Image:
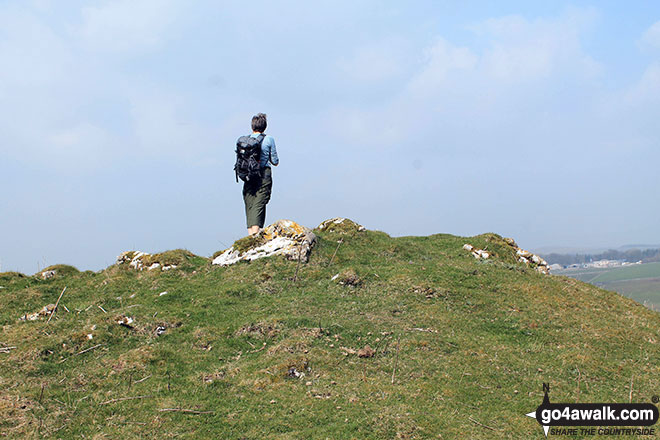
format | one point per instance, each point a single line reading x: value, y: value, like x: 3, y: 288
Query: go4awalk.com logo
x: 595, y: 418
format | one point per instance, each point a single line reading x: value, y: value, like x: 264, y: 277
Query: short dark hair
x: 259, y: 122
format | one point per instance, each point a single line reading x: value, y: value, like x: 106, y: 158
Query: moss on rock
x: 496, y: 246
x: 175, y: 257
x: 251, y: 241
x: 340, y: 225
x: 57, y: 270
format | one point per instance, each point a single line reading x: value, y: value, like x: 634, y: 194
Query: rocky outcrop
x: 522, y: 256
x: 340, y: 225
x: 528, y: 258
x: 141, y: 260
x: 284, y: 237
x: 476, y: 253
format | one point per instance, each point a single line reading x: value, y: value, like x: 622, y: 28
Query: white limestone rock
x: 284, y: 237
x: 476, y: 253
x: 48, y: 274
x: 132, y: 258
x: 523, y: 256
x: 44, y: 312
x: 136, y: 260
x: 528, y: 258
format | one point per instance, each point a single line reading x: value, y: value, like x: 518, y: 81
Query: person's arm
x: 273, y: 153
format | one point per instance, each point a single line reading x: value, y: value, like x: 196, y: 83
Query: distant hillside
x: 572, y: 250
x: 639, y: 246
x: 375, y: 337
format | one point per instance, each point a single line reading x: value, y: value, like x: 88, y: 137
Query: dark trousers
x: 256, y: 195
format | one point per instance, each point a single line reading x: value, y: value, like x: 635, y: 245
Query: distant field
x: 645, y: 290
x: 586, y: 275
x: 640, y: 282
x: 648, y: 270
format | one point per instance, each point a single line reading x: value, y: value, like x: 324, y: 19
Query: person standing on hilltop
x: 254, y: 155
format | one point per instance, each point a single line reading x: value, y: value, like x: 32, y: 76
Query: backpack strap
x: 262, y: 136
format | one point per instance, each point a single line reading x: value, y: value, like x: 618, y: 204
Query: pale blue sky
x: 536, y: 120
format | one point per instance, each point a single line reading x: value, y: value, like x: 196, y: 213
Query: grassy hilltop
x: 459, y: 347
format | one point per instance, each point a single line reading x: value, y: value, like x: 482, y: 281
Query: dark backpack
x: 248, y: 157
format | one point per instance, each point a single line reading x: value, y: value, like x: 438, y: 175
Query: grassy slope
x: 495, y: 332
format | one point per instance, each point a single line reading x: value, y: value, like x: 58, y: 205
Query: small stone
x: 48, y: 274
x: 366, y: 352
x: 126, y: 321
x: 293, y: 372
x: 308, y: 383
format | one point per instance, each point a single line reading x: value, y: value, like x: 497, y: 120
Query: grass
x: 250, y: 354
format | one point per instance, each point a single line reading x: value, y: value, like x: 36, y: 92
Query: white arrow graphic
x: 545, y: 427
